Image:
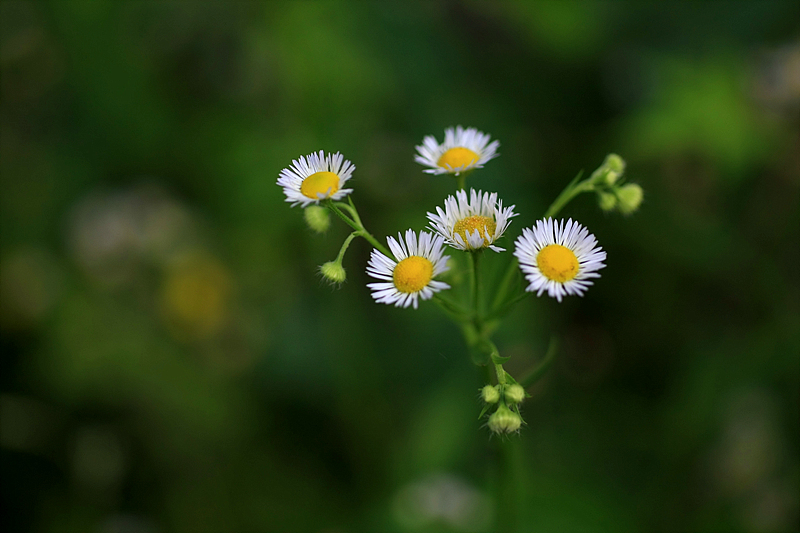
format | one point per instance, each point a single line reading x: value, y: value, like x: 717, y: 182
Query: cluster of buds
x: 507, y: 397
x: 612, y: 193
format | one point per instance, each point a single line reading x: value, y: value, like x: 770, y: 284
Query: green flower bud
x: 333, y: 272
x: 515, y: 393
x: 607, y: 201
x: 490, y: 394
x: 630, y: 198
x: 610, y: 171
x: 614, y: 163
x: 504, y: 420
x: 317, y: 218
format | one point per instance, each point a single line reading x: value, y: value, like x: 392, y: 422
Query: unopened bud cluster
x: 612, y: 194
x: 506, y: 418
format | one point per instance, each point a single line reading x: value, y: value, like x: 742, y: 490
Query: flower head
x: 474, y: 222
x: 490, y: 394
x: 515, y: 393
x: 558, y: 257
x: 504, y: 420
x: 462, y: 150
x: 630, y: 198
x: 410, y: 275
x: 316, y: 177
x: 334, y: 272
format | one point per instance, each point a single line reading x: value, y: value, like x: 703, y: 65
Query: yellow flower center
x: 320, y: 182
x: 483, y: 224
x: 557, y: 263
x: 412, y: 274
x: 457, y: 157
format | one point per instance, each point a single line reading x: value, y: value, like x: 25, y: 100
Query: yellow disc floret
x: 325, y: 183
x: 458, y: 157
x: 557, y: 263
x: 484, y: 225
x: 412, y: 274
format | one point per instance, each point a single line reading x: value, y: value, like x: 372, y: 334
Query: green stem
x: 534, y: 375
x: 570, y: 191
x: 509, y: 500
x: 506, y: 307
x: 505, y: 284
x: 498, y: 366
x: 347, y: 220
x: 476, y: 283
x: 346, y: 243
x: 501, y: 373
x: 374, y: 242
x: 357, y: 225
x: 350, y: 209
x: 457, y: 312
x: 461, y: 181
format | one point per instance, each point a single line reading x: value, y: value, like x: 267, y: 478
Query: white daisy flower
x: 472, y: 223
x: 462, y: 150
x: 558, y: 257
x: 316, y: 177
x: 410, y: 276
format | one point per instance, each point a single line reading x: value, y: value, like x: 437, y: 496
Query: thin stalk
x: 509, y: 498
x: 534, y: 375
x: 350, y: 209
x: 347, y: 220
x: 501, y: 373
x: 476, y: 283
x: 346, y: 243
x: 356, y: 225
x: 473, y: 284
x: 498, y: 367
x: 461, y: 181
x: 455, y: 310
x: 374, y: 242
x: 570, y: 191
x: 501, y: 311
x: 505, y: 283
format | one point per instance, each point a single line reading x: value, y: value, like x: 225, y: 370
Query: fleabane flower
x: 474, y: 222
x: 558, y: 257
x: 462, y: 150
x: 409, y: 276
x: 316, y: 177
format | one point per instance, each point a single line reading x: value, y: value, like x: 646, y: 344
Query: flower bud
x: 630, y: 197
x: 504, y: 420
x: 614, y: 163
x: 610, y: 171
x: 607, y: 201
x: 333, y: 272
x: 317, y: 218
x: 515, y: 393
x: 490, y: 394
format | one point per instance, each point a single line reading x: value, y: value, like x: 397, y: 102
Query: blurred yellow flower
x: 195, y: 295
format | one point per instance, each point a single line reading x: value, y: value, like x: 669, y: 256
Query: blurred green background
x: 171, y: 361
